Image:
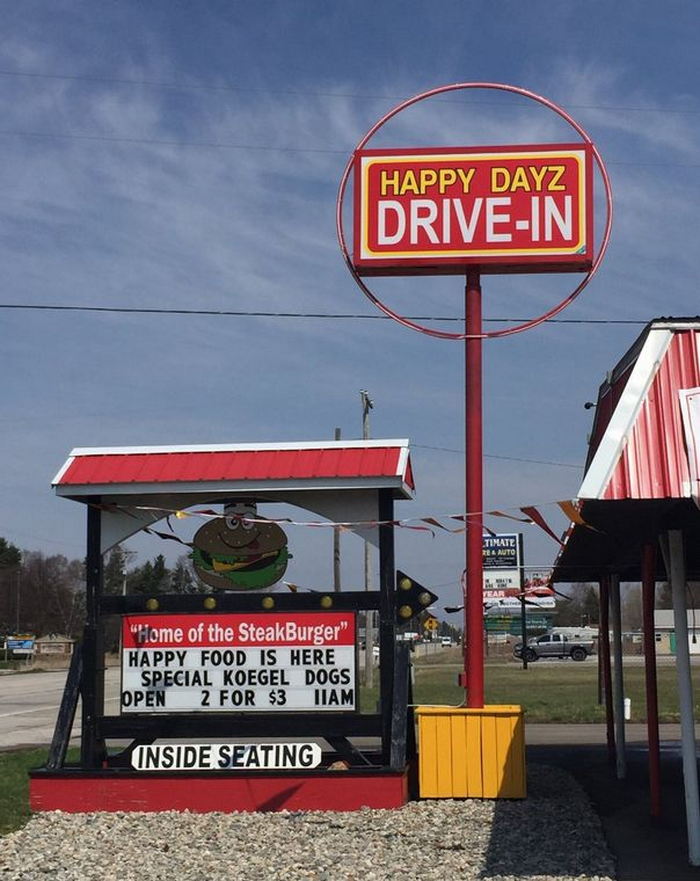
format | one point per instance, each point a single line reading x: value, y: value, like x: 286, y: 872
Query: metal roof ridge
x: 243, y: 447
x: 670, y: 322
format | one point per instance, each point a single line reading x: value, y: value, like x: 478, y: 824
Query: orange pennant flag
x: 572, y: 512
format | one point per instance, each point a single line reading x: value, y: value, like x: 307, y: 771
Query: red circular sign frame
x: 527, y: 325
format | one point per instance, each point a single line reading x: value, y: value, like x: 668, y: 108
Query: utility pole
x: 367, y: 405
x: 19, y: 582
x: 336, y: 545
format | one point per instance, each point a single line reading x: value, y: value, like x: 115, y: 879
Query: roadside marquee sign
x: 501, y: 566
x: 256, y: 662
x: 507, y: 209
x: 500, y: 551
x: 20, y: 645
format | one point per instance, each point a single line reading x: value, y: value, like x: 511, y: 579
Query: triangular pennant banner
x: 166, y: 536
x: 572, y: 512
x: 510, y: 516
x: 537, y: 518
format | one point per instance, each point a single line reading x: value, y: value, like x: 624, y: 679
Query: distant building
x: 666, y: 635
x: 55, y: 645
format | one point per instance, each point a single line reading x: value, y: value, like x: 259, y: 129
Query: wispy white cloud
x: 111, y: 222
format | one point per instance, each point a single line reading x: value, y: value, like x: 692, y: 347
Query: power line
x: 265, y: 148
x: 244, y: 313
x: 504, y: 458
x: 302, y: 93
x: 158, y: 142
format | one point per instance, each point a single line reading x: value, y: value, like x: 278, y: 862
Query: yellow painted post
x: 471, y: 752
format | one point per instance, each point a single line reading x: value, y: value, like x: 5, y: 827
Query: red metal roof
x: 638, y: 448
x: 355, y: 463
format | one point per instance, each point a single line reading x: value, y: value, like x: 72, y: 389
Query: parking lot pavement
x: 594, y: 734
x: 645, y: 849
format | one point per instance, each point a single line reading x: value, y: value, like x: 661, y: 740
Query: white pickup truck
x: 555, y: 645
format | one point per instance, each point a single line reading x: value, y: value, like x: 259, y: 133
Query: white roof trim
x: 676, y: 324
x: 222, y: 487
x: 690, y: 411
x: 240, y: 448
x: 66, y: 465
x: 402, y: 464
x: 614, y: 440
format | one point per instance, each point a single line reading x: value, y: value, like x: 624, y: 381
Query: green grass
x: 548, y: 691
x: 14, y: 804
x: 15, y: 766
x: 552, y: 691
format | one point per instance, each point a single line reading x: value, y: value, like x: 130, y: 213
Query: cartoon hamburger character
x: 234, y: 553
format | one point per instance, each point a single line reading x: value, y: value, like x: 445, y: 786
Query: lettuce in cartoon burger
x: 240, y: 552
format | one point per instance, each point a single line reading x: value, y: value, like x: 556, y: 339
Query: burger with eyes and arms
x: 239, y: 551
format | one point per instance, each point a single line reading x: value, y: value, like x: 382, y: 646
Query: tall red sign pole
x: 473, y: 602
x: 441, y: 210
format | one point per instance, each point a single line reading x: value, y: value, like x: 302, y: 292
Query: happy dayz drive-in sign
x: 517, y: 209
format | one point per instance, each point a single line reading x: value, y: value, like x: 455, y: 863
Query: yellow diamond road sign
x: 431, y: 624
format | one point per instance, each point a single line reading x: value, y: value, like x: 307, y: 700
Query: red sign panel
x: 244, y: 630
x: 504, y: 209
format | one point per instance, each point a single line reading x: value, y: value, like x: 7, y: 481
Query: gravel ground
x: 553, y: 835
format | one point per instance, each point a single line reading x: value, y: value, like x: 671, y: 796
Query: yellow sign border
x: 366, y: 253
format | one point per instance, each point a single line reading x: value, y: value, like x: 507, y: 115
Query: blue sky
x: 187, y: 155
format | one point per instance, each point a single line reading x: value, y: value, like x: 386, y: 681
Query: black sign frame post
x: 523, y: 614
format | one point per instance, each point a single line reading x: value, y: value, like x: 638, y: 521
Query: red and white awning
x: 639, y: 447
x: 137, y: 486
x: 238, y: 468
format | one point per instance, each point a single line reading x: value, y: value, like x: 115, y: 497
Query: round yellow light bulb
x: 152, y: 605
x: 405, y: 611
x: 424, y: 598
x: 405, y: 584
x: 268, y: 603
x: 326, y: 602
x: 210, y: 603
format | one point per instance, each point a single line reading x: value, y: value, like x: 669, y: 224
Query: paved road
x: 29, y: 705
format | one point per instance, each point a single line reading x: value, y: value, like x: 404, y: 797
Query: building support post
x: 618, y: 679
x: 676, y: 560
x: 648, y: 590
x: 604, y: 655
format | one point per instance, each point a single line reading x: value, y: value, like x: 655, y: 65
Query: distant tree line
x: 581, y: 607
x: 44, y: 594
